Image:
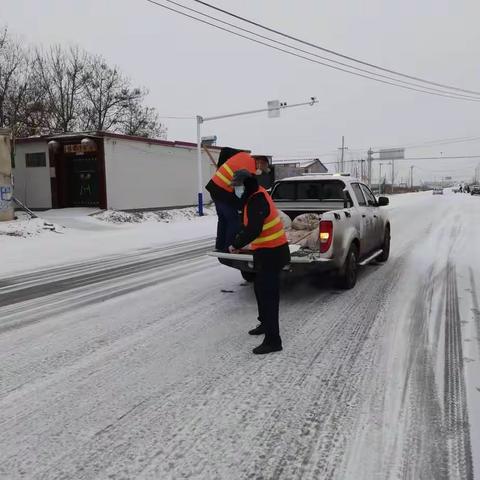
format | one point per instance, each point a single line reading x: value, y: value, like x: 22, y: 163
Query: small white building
x: 294, y: 168
x: 108, y: 170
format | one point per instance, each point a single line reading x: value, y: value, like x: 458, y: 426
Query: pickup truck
x: 354, y: 229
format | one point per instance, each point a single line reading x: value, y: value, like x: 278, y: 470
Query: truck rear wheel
x: 385, y: 247
x: 347, y: 276
x: 248, y: 276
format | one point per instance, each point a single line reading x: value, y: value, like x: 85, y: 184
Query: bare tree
x: 143, y: 121
x: 108, y: 95
x: 62, y: 90
x: 63, y: 77
x: 12, y: 63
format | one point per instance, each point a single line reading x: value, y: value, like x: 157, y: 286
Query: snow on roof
x: 320, y: 176
x: 300, y: 162
x: 101, y: 134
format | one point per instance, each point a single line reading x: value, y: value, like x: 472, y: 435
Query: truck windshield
x: 309, y: 191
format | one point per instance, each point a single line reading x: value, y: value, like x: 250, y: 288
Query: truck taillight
x: 326, y: 235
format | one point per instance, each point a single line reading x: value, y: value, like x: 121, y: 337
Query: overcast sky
x: 193, y: 69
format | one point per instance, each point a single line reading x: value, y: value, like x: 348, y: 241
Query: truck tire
x: 248, y: 276
x: 385, y: 247
x: 347, y: 275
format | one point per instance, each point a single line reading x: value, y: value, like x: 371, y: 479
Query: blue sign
x: 6, y: 194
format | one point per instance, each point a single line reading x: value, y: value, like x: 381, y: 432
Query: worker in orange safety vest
x: 227, y: 204
x: 263, y: 230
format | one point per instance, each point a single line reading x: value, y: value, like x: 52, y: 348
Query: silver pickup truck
x: 354, y: 228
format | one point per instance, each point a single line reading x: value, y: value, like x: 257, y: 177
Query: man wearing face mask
x: 263, y: 230
x: 226, y: 202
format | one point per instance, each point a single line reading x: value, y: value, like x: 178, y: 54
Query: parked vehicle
x: 354, y: 229
x: 437, y: 191
x: 475, y: 190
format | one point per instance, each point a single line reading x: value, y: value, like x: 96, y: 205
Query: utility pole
x: 341, y: 167
x: 369, y: 166
x: 393, y: 173
x: 380, y: 177
x: 411, y: 176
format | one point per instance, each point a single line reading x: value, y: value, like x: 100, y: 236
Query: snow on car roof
x: 320, y: 176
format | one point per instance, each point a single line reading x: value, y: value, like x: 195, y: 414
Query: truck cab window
x: 371, y: 200
x: 284, y: 191
x: 358, y: 194
x: 320, y: 191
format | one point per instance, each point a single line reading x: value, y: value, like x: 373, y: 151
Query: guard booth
x: 6, y: 187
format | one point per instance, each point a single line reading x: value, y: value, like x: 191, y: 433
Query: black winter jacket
x: 257, y: 210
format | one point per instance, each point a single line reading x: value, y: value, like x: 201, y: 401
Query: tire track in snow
x: 335, y: 413
x: 331, y: 411
x: 109, y: 273
x: 424, y: 445
x: 40, y: 276
x: 96, y: 288
x: 456, y: 413
x: 476, y: 306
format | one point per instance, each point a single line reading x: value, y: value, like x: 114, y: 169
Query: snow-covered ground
x: 80, y: 235
x: 136, y: 363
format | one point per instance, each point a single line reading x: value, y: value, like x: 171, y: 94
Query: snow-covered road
x: 139, y: 365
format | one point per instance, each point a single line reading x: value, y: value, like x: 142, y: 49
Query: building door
x: 83, y: 182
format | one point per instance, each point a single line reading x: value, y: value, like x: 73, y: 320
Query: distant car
x: 438, y: 191
x: 475, y: 190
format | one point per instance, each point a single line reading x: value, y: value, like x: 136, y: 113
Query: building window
x: 33, y: 160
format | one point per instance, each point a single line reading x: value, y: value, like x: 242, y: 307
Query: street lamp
x: 276, y: 106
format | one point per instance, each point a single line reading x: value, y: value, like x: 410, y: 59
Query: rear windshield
x: 306, y: 190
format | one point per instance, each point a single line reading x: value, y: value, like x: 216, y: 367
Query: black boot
x: 259, y: 330
x: 267, y: 348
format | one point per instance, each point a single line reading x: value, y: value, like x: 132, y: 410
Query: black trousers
x: 267, y: 292
x: 228, y: 225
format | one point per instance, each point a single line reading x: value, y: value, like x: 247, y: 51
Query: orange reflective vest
x: 273, y: 234
x: 240, y: 161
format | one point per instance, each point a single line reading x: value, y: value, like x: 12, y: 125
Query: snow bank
x: 167, y: 216
x: 25, y: 227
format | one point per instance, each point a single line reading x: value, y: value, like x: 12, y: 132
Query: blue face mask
x: 239, y: 191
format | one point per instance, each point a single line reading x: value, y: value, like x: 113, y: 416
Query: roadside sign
x: 273, y: 108
x: 392, y: 153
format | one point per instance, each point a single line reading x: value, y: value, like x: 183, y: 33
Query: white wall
x: 32, y: 185
x: 141, y: 175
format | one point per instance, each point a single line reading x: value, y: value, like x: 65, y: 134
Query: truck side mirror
x: 383, y: 201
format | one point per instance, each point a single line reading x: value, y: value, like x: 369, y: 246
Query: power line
x: 426, y: 144
x: 333, y: 52
x: 413, y: 159
x: 469, y: 168
x: 369, y: 72
x: 421, y: 89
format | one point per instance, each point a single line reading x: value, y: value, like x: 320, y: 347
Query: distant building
x: 292, y: 168
x: 107, y: 170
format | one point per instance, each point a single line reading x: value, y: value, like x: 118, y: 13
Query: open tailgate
x: 298, y: 256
